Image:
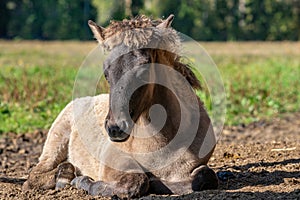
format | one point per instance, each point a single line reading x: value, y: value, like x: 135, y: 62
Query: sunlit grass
x: 262, y: 80
x: 36, y: 81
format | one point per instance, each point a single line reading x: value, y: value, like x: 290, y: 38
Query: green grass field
x: 262, y: 80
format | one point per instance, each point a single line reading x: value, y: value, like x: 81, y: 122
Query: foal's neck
x: 168, y: 116
x: 165, y: 97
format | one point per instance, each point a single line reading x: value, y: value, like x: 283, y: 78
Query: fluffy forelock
x: 140, y: 32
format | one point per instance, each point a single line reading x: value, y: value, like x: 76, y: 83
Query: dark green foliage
x: 224, y: 20
x: 209, y: 20
x: 4, y: 17
x: 47, y: 19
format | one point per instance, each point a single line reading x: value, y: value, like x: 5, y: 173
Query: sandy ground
x: 258, y: 161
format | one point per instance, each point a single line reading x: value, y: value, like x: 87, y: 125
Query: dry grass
x: 267, y: 49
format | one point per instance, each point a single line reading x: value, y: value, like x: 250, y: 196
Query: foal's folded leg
x: 41, y: 180
x: 127, y: 186
x: 65, y: 174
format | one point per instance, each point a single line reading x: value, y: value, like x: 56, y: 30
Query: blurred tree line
x: 201, y: 19
x: 46, y: 19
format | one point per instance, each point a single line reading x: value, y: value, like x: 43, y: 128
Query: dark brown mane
x: 175, y: 61
x: 186, y: 71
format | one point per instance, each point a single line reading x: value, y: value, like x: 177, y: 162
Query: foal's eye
x: 106, y: 74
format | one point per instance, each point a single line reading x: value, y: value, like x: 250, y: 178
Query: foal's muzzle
x: 117, y: 132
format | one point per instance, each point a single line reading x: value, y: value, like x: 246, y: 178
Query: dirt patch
x: 258, y: 161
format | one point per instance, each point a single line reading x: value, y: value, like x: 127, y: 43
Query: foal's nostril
x: 117, y: 131
x: 114, y: 131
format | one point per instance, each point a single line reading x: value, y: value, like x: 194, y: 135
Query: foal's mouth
x: 119, y: 139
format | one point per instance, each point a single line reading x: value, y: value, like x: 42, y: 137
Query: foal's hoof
x: 92, y: 187
x: 66, y: 173
x: 82, y: 182
x: 204, y: 179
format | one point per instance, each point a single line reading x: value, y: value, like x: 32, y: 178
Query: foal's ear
x: 97, y: 30
x: 167, y: 22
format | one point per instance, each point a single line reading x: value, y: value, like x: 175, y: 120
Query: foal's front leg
x: 128, y: 185
x: 55, y: 151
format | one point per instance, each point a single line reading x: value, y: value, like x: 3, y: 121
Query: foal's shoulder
x: 98, y: 104
x: 102, y: 98
x: 101, y: 104
x: 91, y: 100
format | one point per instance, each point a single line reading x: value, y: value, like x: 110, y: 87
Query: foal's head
x: 135, y: 46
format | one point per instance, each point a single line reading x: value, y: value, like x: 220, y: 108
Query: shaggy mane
x: 116, y: 27
x: 140, y: 32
